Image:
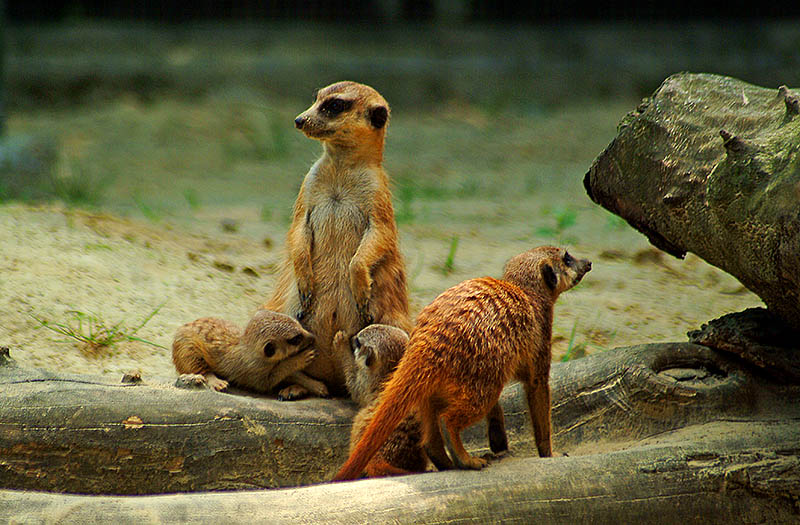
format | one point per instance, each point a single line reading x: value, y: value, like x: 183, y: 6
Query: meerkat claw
x: 366, y: 316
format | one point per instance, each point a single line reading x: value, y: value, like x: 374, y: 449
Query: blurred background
x: 179, y: 115
x: 196, y: 98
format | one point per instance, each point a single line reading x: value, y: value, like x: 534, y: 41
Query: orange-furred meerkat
x: 367, y: 364
x: 467, y: 344
x: 272, y: 347
x: 344, y: 269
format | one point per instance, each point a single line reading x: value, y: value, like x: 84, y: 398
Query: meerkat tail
x: 400, y: 396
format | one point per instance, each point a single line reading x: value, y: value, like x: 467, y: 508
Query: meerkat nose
x: 299, y: 122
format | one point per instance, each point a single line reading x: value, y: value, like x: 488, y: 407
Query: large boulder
x: 711, y: 165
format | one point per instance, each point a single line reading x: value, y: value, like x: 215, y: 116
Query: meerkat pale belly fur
x: 343, y: 269
x: 368, y: 362
x: 272, y: 347
x: 467, y: 344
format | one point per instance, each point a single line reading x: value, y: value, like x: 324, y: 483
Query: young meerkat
x: 344, y: 269
x: 367, y: 364
x: 272, y: 347
x: 467, y: 344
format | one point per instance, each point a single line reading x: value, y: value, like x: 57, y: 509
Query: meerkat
x: 467, y: 344
x: 272, y: 347
x: 367, y: 364
x: 343, y: 269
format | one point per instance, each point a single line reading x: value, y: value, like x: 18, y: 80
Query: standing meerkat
x: 367, y: 364
x: 344, y: 269
x: 467, y: 344
x: 272, y: 347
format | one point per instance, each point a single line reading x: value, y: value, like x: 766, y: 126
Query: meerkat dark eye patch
x: 549, y: 276
x: 378, y: 116
x: 568, y: 260
x: 370, y: 359
x: 269, y: 349
x: 335, y: 106
x: 296, y: 340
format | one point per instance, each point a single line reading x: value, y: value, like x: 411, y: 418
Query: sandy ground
x: 57, y: 260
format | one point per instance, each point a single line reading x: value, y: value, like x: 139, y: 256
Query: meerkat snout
x: 299, y: 122
x: 581, y: 266
x: 307, y: 341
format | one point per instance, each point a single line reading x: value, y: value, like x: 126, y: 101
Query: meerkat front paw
x: 292, y: 392
x: 216, y: 383
x: 361, y: 286
x: 341, y: 344
x: 305, y: 292
x: 364, y: 314
x: 191, y: 381
x: 306, y: 357
x: 317, y: 388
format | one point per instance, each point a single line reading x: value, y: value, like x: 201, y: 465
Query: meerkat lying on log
x: 272, y: 347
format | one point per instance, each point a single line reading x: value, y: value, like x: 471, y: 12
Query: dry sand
x: 57, y: 260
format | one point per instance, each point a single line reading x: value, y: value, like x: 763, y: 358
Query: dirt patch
x: 57, y: 261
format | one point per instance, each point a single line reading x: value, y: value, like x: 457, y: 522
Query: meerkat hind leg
x: 496, y: 427
x: 432, y: 436
x: 538, y: 396
x: 379, y: 468
x: 452, y: 436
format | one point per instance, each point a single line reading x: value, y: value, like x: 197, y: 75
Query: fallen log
x: 759, y: 338
x: 723, y: 472
x: 711, y: 165
x: 81, y: 434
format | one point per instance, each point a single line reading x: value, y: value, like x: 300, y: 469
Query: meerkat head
x: 275, y: 336
x: 546, y: 268
x: 346, y: 114
x: 378, y: 348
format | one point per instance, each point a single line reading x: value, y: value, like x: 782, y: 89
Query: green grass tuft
x: 449, y: 263
x: 94, y: 335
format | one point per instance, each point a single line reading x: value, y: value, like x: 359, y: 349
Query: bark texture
x: 711, y: 165
x: 728, y: 472
x: 757, y: 337
x: 79, y: 434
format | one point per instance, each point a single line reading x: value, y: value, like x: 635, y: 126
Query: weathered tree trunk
x: 711, y: 165
x: 80, y: 434
x: 730, y: 472
x: 759, y: 338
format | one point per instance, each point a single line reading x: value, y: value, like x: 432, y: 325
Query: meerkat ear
x: 378, y: 116
x: 549, y: 276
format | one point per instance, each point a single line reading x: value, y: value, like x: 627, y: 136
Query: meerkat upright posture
x: 344, y: 269
x: 272, y: 347
x: 467, y: 344
x: 367, y: 364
